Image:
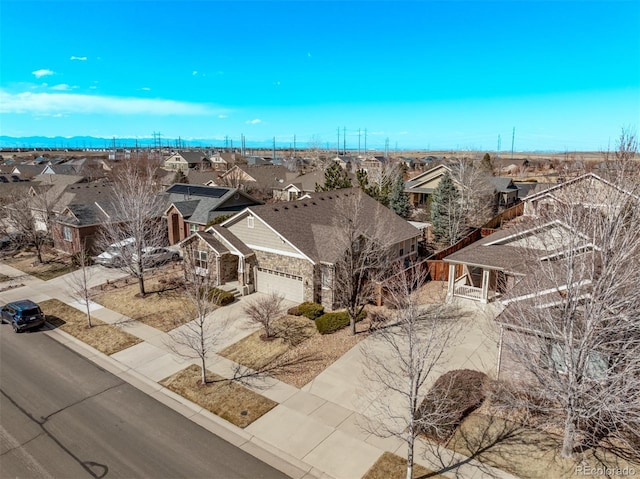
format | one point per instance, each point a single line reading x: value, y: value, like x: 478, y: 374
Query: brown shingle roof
x: 310, y: 224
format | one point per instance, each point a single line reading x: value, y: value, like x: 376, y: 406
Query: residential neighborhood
x: 520, y: 281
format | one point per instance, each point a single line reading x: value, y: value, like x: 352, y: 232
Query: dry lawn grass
x: 298, y: 353
x: 232, y: 402
x: 521, y: 451
x: 52, y: 268
x: 391, y: 466
x: 161, y: 308
x: 104, y: 337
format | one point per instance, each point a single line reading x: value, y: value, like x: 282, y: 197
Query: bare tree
x: 573, y: 330
x: 79, y: 283
x: 135, y: 210
x: 361, y: 248
x: 264, y: 311
x: 403, y: 355
x: 235, y: 178
x: 477, y: 192
x: 197, y: 338
x: 31, y: 220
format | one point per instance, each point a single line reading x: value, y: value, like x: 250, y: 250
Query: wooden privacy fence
x: 439, y: 270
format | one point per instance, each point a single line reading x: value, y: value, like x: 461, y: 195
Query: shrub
x: 311, y: 310
x: 454, y: 396
x: 332, y: 322
x: 293, y: 311
x: 220, y: 297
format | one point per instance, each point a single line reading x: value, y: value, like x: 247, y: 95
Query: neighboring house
x: 78, y: 225
x: 291, y: 243
x: 63, y: 169
x: 222, y: 161
x: 28, y: 171
x: 506, y: 191
x: 421, y: 187
x: 589, y: 190
x: 299, y: 186
x: 186, y: 160
x: 260, y: 181
x: 492, y: 266
x: 191, y: 207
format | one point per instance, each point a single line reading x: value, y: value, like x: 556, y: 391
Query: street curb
x: 267, y: 453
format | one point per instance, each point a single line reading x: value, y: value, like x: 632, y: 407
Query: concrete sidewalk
x: 319, y: 431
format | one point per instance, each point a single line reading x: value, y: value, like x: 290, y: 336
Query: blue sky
x: 422, y: 74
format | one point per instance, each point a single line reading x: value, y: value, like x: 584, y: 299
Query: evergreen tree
x: 335, y: 178
x: 398, y: 199
x: 445, y: 210
x: 486, y: 164
x: 180, y: 177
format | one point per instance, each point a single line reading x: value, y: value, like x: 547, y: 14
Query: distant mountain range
x: 82, y: 142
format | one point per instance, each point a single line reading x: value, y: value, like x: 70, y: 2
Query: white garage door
x: 288, y: 285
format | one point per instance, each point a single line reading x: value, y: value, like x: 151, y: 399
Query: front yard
x: 164, y: 307
x: 104, y: 337
x: 53, y: 266
x: 298, y: 353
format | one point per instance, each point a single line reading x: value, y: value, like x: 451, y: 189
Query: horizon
x: 416, y: 75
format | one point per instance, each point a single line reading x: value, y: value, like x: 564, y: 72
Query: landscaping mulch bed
x: 106, y: 338
x: 231, y: 401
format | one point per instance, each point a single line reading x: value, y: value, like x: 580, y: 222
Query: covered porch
x: 476, y: 283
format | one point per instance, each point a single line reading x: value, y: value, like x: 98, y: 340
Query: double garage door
x: 288, y: 285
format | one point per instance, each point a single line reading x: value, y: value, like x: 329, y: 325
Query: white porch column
x: 451, y: 282
x: 485, y: 286
x: 217, y: 270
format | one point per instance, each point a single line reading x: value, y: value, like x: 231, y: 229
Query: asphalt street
x: 61, y: 416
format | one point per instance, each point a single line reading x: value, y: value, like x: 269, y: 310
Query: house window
x: 193, y: 228
x: 250, y: 222
x: 596, y: 367
x: 66, y: 233
x: 401, y: 252
x: 201, y: 259
x: 413, y: 248
x: 326, y: 278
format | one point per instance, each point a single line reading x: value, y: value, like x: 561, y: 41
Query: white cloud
x: 194, y: 72
x: 64, y: 103
x: 61, y: 87
x: 43, y: 72
x: 145, y: 88
x: 254, y: 121
x: 221, y: 116
x: 81, y: 59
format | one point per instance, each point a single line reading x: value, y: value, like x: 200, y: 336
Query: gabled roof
x: 309, y: 225
x: 509, y: 249
x: 582, y: 178
x: 503, y: 184
x: 191, y: 157
x: 209, y: 239
x: 228, y: 238
x: 28, y: 171
x: 83, y: 215
x: 202, y: 204
x: 435, y: 172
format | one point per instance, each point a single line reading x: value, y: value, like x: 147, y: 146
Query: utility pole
x: 294, y: 147
x: 358, y: 141
x: 365, y: 142
x: 338, y: 145
x: 274, y: 149
x: 344, y: 140
x: 499, y: 145
x: 513, y: 139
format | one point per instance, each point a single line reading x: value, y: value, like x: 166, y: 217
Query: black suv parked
x: 23, y: 314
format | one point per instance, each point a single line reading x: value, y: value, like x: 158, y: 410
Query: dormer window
x: 250, y: 222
